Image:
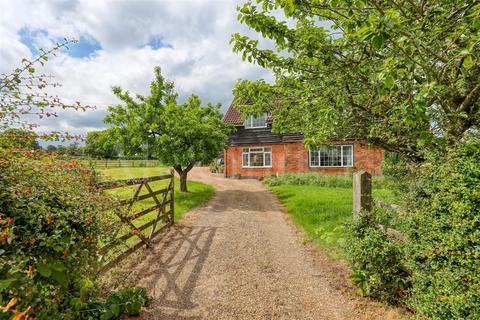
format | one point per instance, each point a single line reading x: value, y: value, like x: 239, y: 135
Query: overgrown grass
x: 321, y: 180
x: 321, y: 205
x: 197, y: 194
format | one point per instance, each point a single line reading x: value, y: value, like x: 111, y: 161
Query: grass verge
x: 322, y: 211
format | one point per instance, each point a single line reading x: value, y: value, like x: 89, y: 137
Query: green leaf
x: 107, y: 315
x: 60, y: 277
x: 57, y: 265
x: 389, y: 82
x: 288, y: 8
x: 133, y: 308
x: 377, y: 42
x: 5, y: 283
x: 115, y: 309
x: 421, y: 142
x: 468, y: 62
x: 31, y: 69
x: 44, y: 270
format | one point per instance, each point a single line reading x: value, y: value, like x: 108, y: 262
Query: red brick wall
x: 293, y: 157
x: 233, y: 161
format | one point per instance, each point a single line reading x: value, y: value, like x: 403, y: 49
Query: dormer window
x: 252, y: 122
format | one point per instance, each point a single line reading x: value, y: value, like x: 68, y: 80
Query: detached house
x: 254, y: 151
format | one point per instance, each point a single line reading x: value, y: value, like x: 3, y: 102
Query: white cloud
x: 200, y: 59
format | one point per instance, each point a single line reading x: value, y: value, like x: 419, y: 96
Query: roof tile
x: 233, y: 116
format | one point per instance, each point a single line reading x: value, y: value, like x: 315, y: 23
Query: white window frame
x: 248, y: 123
x: 341, y: 156
x: 249, y: 152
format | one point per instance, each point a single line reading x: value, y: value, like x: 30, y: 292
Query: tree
x: 403, y: 75
x: 179, y: 135
x: 74, y: 149
x: 102, y: 144
x: 51, y: 148
x: 61, y: 150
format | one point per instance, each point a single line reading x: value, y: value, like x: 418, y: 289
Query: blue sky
x: 119, y: 43
x: 85, y: 47
x: 156, y: 42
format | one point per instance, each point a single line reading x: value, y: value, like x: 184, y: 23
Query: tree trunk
x: 182, y: 173
x: 183, y: 181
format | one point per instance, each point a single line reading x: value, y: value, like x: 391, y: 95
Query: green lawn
x: 321, y: 211
x: 198, y: 192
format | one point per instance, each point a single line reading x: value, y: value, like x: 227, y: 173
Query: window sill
x: 257, y: 167
x: 330, y: 166
x: 255, y: 127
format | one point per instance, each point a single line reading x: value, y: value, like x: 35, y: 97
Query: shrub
x: 444, y: 230
x: 376, y: 259
x: 126, y: 301
x: 442, y: 245
x: 51, y: 223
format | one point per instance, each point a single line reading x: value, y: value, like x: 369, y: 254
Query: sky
x: 119, y: 43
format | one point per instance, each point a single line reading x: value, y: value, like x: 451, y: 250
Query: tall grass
x: 319, y: 180
x: 322, y: 204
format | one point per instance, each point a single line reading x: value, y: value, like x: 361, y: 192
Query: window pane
x: 256, y: 149
x: 245, y: 159
x: 256, y: 159
x: 348, y: 156
x: 332, y: 156
x: 324, y: 156
x: 314, y: 158
x: 245, y: 150
x: 336, y: 158
x: 252, y: 122
x: 258, y: 122
x: 267, y: 149
x: 268, y: 159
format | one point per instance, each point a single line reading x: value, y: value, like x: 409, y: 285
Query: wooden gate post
x: 362, y: 191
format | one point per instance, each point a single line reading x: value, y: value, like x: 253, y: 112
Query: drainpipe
x: 225, y: 163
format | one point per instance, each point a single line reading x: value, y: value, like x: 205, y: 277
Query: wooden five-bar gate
x: 164, y: 217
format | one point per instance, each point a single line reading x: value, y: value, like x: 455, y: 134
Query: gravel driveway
x: 240, y: 257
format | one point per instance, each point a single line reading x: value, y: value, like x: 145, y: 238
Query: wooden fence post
x: 172, y: 192
x: 362, y: 191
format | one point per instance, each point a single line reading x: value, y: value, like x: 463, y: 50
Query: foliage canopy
x: 102, y: 144
x: 403, y: 75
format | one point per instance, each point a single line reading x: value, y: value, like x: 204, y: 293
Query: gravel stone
x: 240, y: 257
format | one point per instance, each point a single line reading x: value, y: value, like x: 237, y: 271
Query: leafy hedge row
x: 52, y: 221
x: 442, y: 246
x: 376, y: 259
